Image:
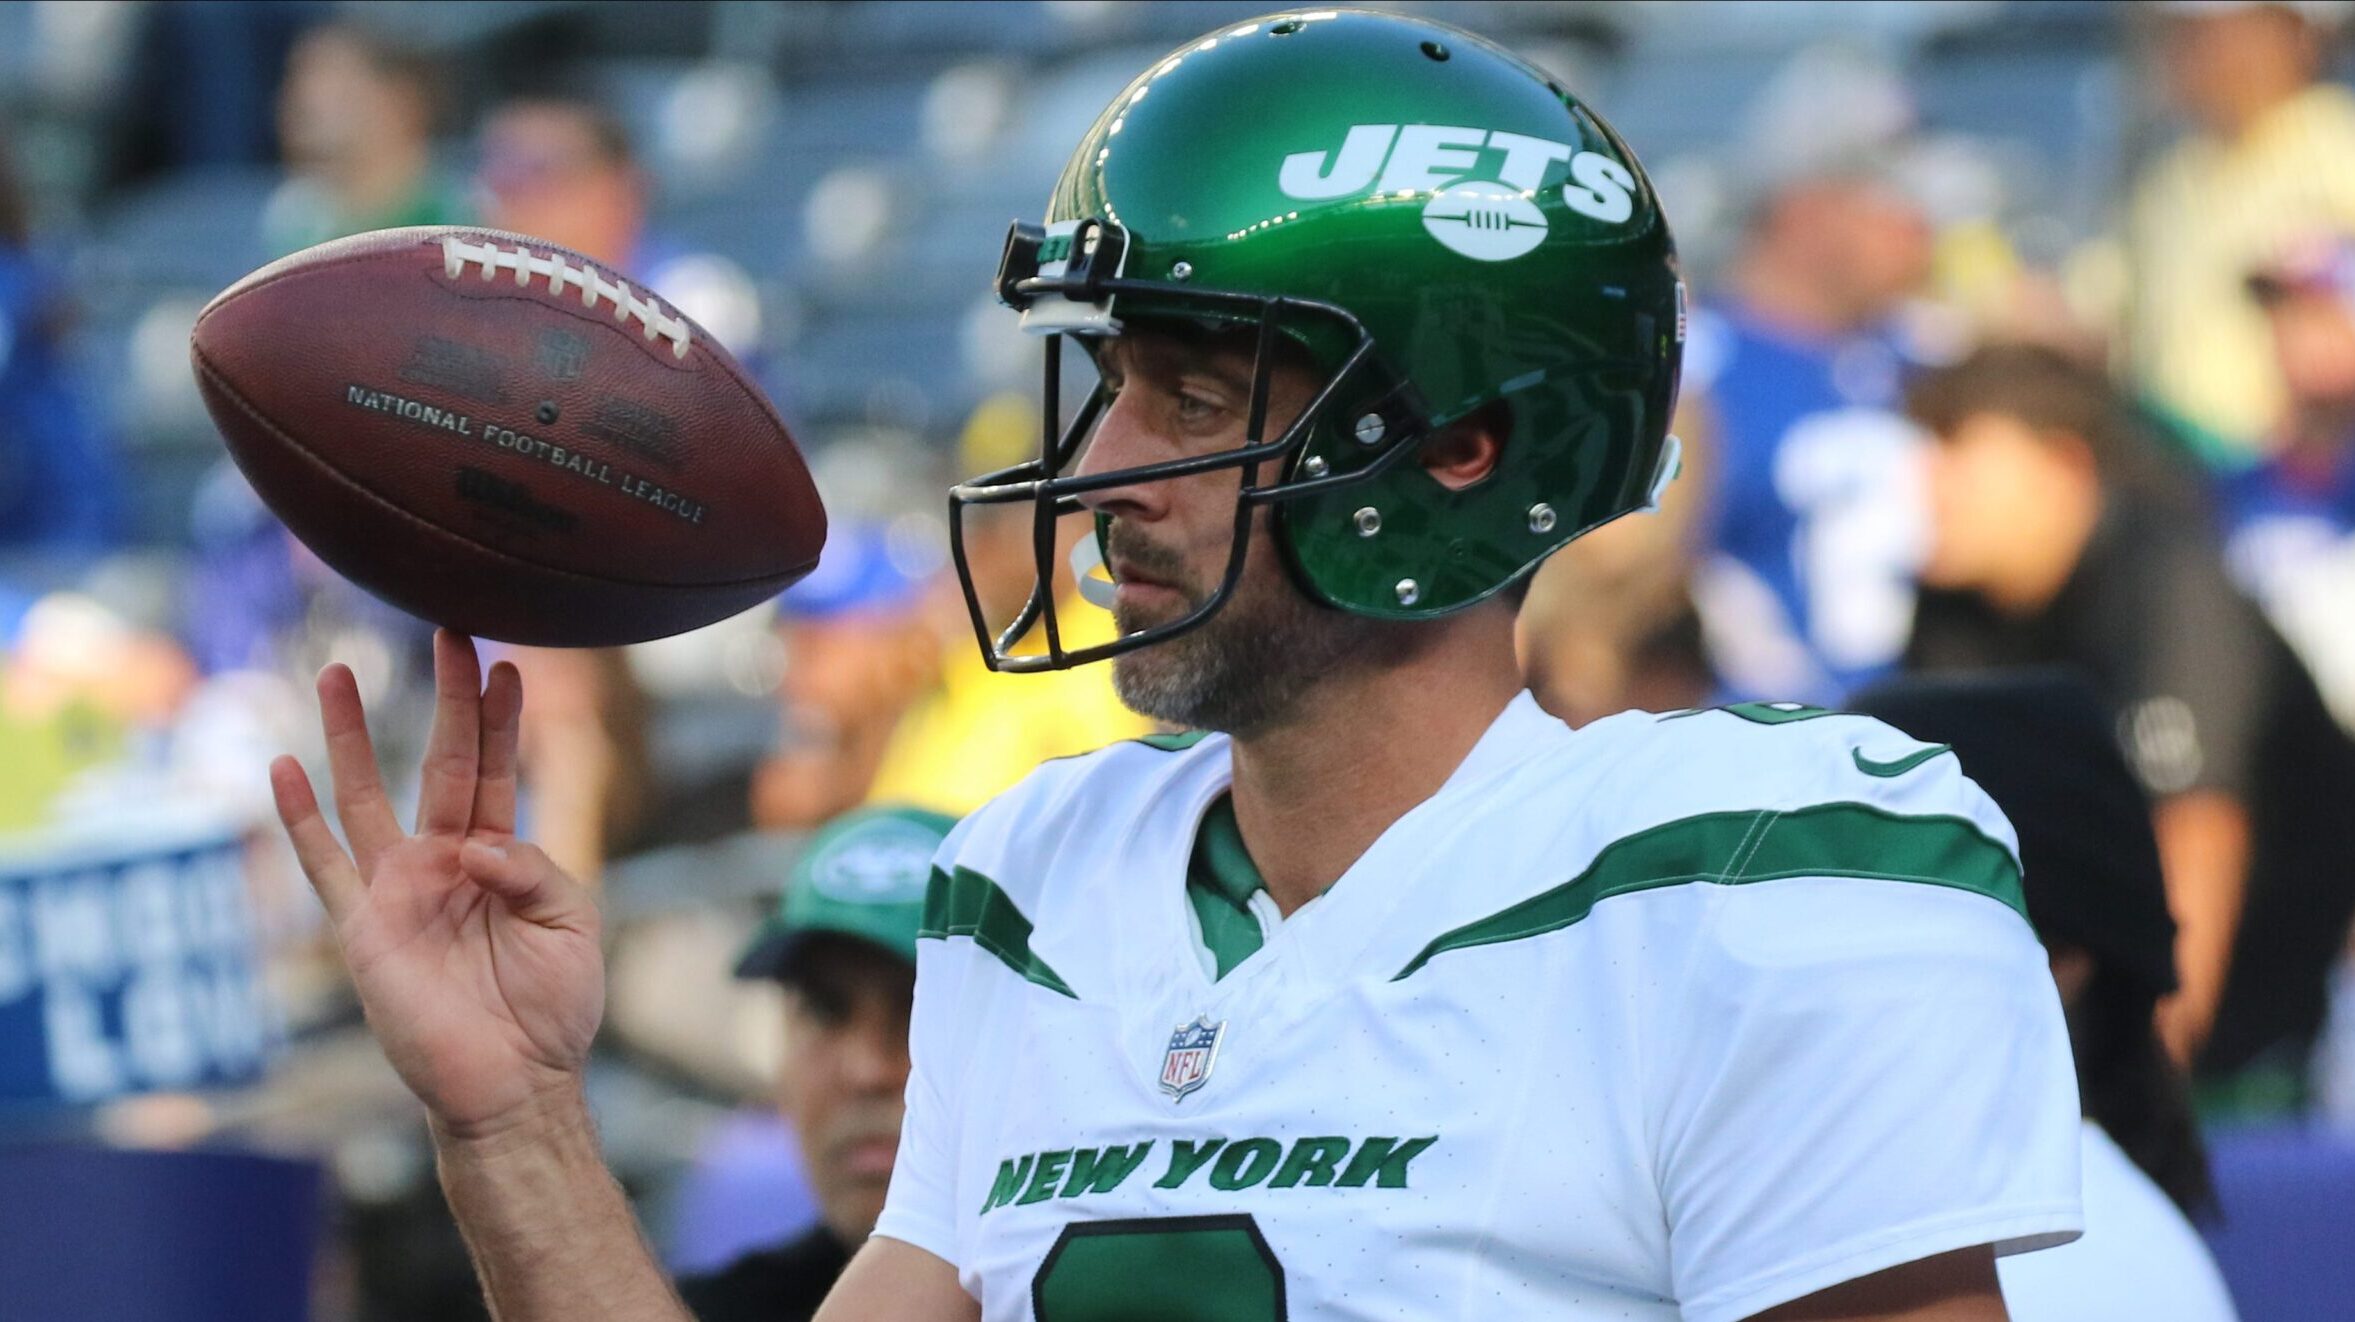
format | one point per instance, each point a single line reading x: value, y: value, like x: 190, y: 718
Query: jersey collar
x: 1330, y: 935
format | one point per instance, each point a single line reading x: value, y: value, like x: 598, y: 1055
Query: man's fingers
x: 323, y: 860
x: 502, y: 722
x: 533, y: 887
x: 360, y: 802
x: 446, y: 799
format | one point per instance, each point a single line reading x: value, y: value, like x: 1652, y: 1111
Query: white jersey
x: 2140, y: 1258
x: 1670, y: 1017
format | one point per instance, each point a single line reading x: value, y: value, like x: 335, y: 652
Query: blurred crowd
x: 1950, y: 404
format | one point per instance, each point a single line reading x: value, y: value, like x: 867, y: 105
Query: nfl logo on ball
x: 1193, y: 1050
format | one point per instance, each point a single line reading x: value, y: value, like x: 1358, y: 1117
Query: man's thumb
x: 527, y: 880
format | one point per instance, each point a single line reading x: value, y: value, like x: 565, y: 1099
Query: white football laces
x: 458, y: 254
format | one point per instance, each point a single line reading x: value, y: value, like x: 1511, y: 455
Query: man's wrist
x: 558, y: 1118
x: 551, y: 1233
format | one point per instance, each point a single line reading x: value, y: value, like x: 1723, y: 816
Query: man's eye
x: 1195, y: 407
x: 822, y: 1009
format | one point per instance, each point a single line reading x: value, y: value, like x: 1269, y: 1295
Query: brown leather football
x: 506, y: 438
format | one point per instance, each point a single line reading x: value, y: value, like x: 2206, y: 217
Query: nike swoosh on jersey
x: 1891, y: 770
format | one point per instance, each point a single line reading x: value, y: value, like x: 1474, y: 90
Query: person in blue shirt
x: 2289, y: 520
x: 1810, y: 523
x: 60, y: 488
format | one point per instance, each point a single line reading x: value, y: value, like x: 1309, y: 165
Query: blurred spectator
x: 2062, y: 535
x: 355, y: 120
x: 843, y: 945
x: 975, y: 731
x: 2290, y: 519
x: 584, y: 753
x: 2270, y: 154
x: 1809, y: 518
x: 258, y: 599
x: 858, y: 650
x: 1606, y: 631
x: 1608, y: 624
x: 565, y: 170
x: 197, y: 92
x: 887, y: 697
x: 60, y: 488
x: 2039, y: 745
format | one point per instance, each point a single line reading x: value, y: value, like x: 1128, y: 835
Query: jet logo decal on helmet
x: 1389, y: 158
x: 1484, y: 221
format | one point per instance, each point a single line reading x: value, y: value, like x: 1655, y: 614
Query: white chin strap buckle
x: 1671, y: 463
x: 1087, y: 566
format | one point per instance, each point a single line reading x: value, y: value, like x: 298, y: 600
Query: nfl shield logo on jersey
x: 1193, y: 1050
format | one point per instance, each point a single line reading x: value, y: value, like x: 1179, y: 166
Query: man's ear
x: 1466, y: 450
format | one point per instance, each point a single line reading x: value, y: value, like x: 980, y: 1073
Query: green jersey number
x: 1160, y: 1269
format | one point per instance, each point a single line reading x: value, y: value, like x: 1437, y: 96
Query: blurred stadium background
x: 827, y: 186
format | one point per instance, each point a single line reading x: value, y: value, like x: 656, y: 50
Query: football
x: 506, y: 438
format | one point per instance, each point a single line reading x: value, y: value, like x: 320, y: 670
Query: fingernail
x: 487, y: 847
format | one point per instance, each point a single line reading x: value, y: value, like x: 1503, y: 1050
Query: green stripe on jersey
x: 1173, y: 743
x: 1220, y: 880
x: 1736, y: 848
x: 965, y: 903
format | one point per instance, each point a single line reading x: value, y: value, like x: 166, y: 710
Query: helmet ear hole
x: 1466, y: 452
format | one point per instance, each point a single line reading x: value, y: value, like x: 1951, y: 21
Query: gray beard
x: 1245, y: 668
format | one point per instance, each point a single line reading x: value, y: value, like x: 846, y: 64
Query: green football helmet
x: 1440, y: 225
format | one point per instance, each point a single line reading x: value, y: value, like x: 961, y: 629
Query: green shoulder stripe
x: 965, y: 903
x: 1173, y: 743
x: 1737, y: 848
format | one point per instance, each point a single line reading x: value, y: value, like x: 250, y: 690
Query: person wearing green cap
x: 842, y: 943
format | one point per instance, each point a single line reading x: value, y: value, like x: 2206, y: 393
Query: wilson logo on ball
x: 1488, y: 222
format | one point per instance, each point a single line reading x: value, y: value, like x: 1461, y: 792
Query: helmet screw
x: 1370, y: 429
x: 1369, y: 521
x: 1313, y: 466
x: 1409, y: 592
x: 1541, y: 518
x: 1181, y: 271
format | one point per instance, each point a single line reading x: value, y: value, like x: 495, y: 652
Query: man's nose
x: 875, y: 1060
x: 1124, y: 438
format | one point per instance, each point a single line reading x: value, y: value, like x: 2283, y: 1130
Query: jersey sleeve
x: 920, y: 1206
x: 1864, y: 1062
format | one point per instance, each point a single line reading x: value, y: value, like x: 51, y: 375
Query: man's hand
x: 476, y: 958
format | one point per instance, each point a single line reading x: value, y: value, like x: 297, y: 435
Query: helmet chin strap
x: 1671, y: 464
x: 1087, y: 557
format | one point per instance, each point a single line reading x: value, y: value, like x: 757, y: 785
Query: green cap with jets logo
x: 862, y: 875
